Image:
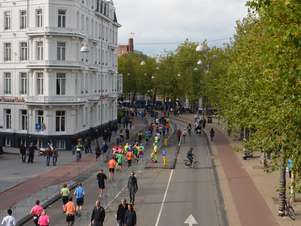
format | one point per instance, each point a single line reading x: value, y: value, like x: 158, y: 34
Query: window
x: 7, y: 115
x: 60, y: 84
x: 7, y: 51
x: 23, y: 51
x: 23, y: 19
x: 61, y: 18
x: 60, y: 121
x: 60, y: 144
x: 7, y: 83
x: 40, y: 83
x: 39, y: 18
x: 23, y: 83
x: 7, y: 20
x: 61, y: 51
x: 24, y: 120
x: 40, y: 120
x: 40, y: 51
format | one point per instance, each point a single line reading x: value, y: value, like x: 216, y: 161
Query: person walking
x: 44, y: 219
x: 104, y: 150
x: 65, y: 192
x: 23, y: 152
x: 36, y: 212
x: 31, y: 151
x: 97, y: 151
x: 98, y: 214
x: 101, y: 179
x: 70, y: 211
x: 78, y: 149
x: 179, y: 134
x: 9, y: 220
x: 79, y: 195
x: 184, y: 135
x: 55, y: 155
x: 48, y: 153
x: 120, y: 216
x: 212, y: 134
x: 130, y: 216
x: 132, y: 187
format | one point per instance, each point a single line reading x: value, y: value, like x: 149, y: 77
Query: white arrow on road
x: 191, y: 220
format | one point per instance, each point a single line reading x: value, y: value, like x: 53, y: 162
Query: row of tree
x: 254, y: 82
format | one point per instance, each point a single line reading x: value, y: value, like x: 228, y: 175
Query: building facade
x: 50, y: 89
x: 126, y: 49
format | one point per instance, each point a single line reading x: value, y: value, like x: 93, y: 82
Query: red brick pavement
x: 58, y: 175
x: 250, y: 205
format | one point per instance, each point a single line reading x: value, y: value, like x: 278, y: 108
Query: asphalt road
x: 165, y: 197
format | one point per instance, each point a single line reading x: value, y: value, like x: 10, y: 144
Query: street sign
x: 191, y: 220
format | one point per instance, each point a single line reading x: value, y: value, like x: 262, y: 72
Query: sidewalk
x: 248, y: 192
x: 47, y: 184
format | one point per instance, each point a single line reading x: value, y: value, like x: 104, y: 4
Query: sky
x: 159, y: 25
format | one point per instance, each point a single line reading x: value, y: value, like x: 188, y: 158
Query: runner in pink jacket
x: 44, y: 219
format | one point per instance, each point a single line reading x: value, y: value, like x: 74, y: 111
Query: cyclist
x: 189, y: 156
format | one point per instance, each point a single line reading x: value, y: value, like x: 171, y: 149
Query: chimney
x: 131, y: 45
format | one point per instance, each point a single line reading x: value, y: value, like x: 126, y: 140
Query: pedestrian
x: 55, y: 155
x: 36, y: 212
x: 48, y: 153
x: 164, y: 157
x: 97, y: 151
x: 179, y: 134
x: 78, y: 149
x: 212, y: 134
x: 204, y: 123
x: 44, y: 219
x: 65, y: 193
x: 23, y: 152
x: 129, y: 157
x: 70, y: 211
x: 140, y: 136
x: 98, y: 215
x: 104, y: 150
x: 184, y: 135
x: 31, y: 151
x: 127, y: 134
x: 112, y: 165
x: 101, y: 179
x: 9, y: 220
x: 79, y: 195
x: 120, y: 216
x: 132, y: 187
x: 130, y: 216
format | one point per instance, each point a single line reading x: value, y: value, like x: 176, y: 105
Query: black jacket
x: 98, y: 216
x: 130, y: 218
x: 132, y: 183
x: 121, y: 213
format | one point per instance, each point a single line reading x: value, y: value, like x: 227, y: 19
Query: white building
x: 49, y: 88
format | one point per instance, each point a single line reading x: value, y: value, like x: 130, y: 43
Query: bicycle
x: 194, y: 164
x: 289, y: 210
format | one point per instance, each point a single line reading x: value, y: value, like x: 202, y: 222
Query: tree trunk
x: 282, y: 188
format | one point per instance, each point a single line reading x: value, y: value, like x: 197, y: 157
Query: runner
x: 101, y: 178
x: 44, y: 219
x: 120, y: 159
x: 65, y: 192
x: 36, y: 212
x: 154, y: 154
x: 70, y: 211
x: 129, y: 156
x: 9, y: 220
x: 79, y: 195
x: 164, y: 158
x: 112, y: 165
x: 98, y: 215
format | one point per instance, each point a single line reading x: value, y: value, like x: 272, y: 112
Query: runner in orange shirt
x: 111, y: 165
x: 129, y: 156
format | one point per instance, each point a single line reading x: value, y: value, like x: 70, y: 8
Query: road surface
x: 165, y: 197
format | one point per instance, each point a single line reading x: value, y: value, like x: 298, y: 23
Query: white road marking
x: 116, y: 196
x: 164, y: 198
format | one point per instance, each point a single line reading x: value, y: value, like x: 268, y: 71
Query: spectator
x: 98, y: 215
